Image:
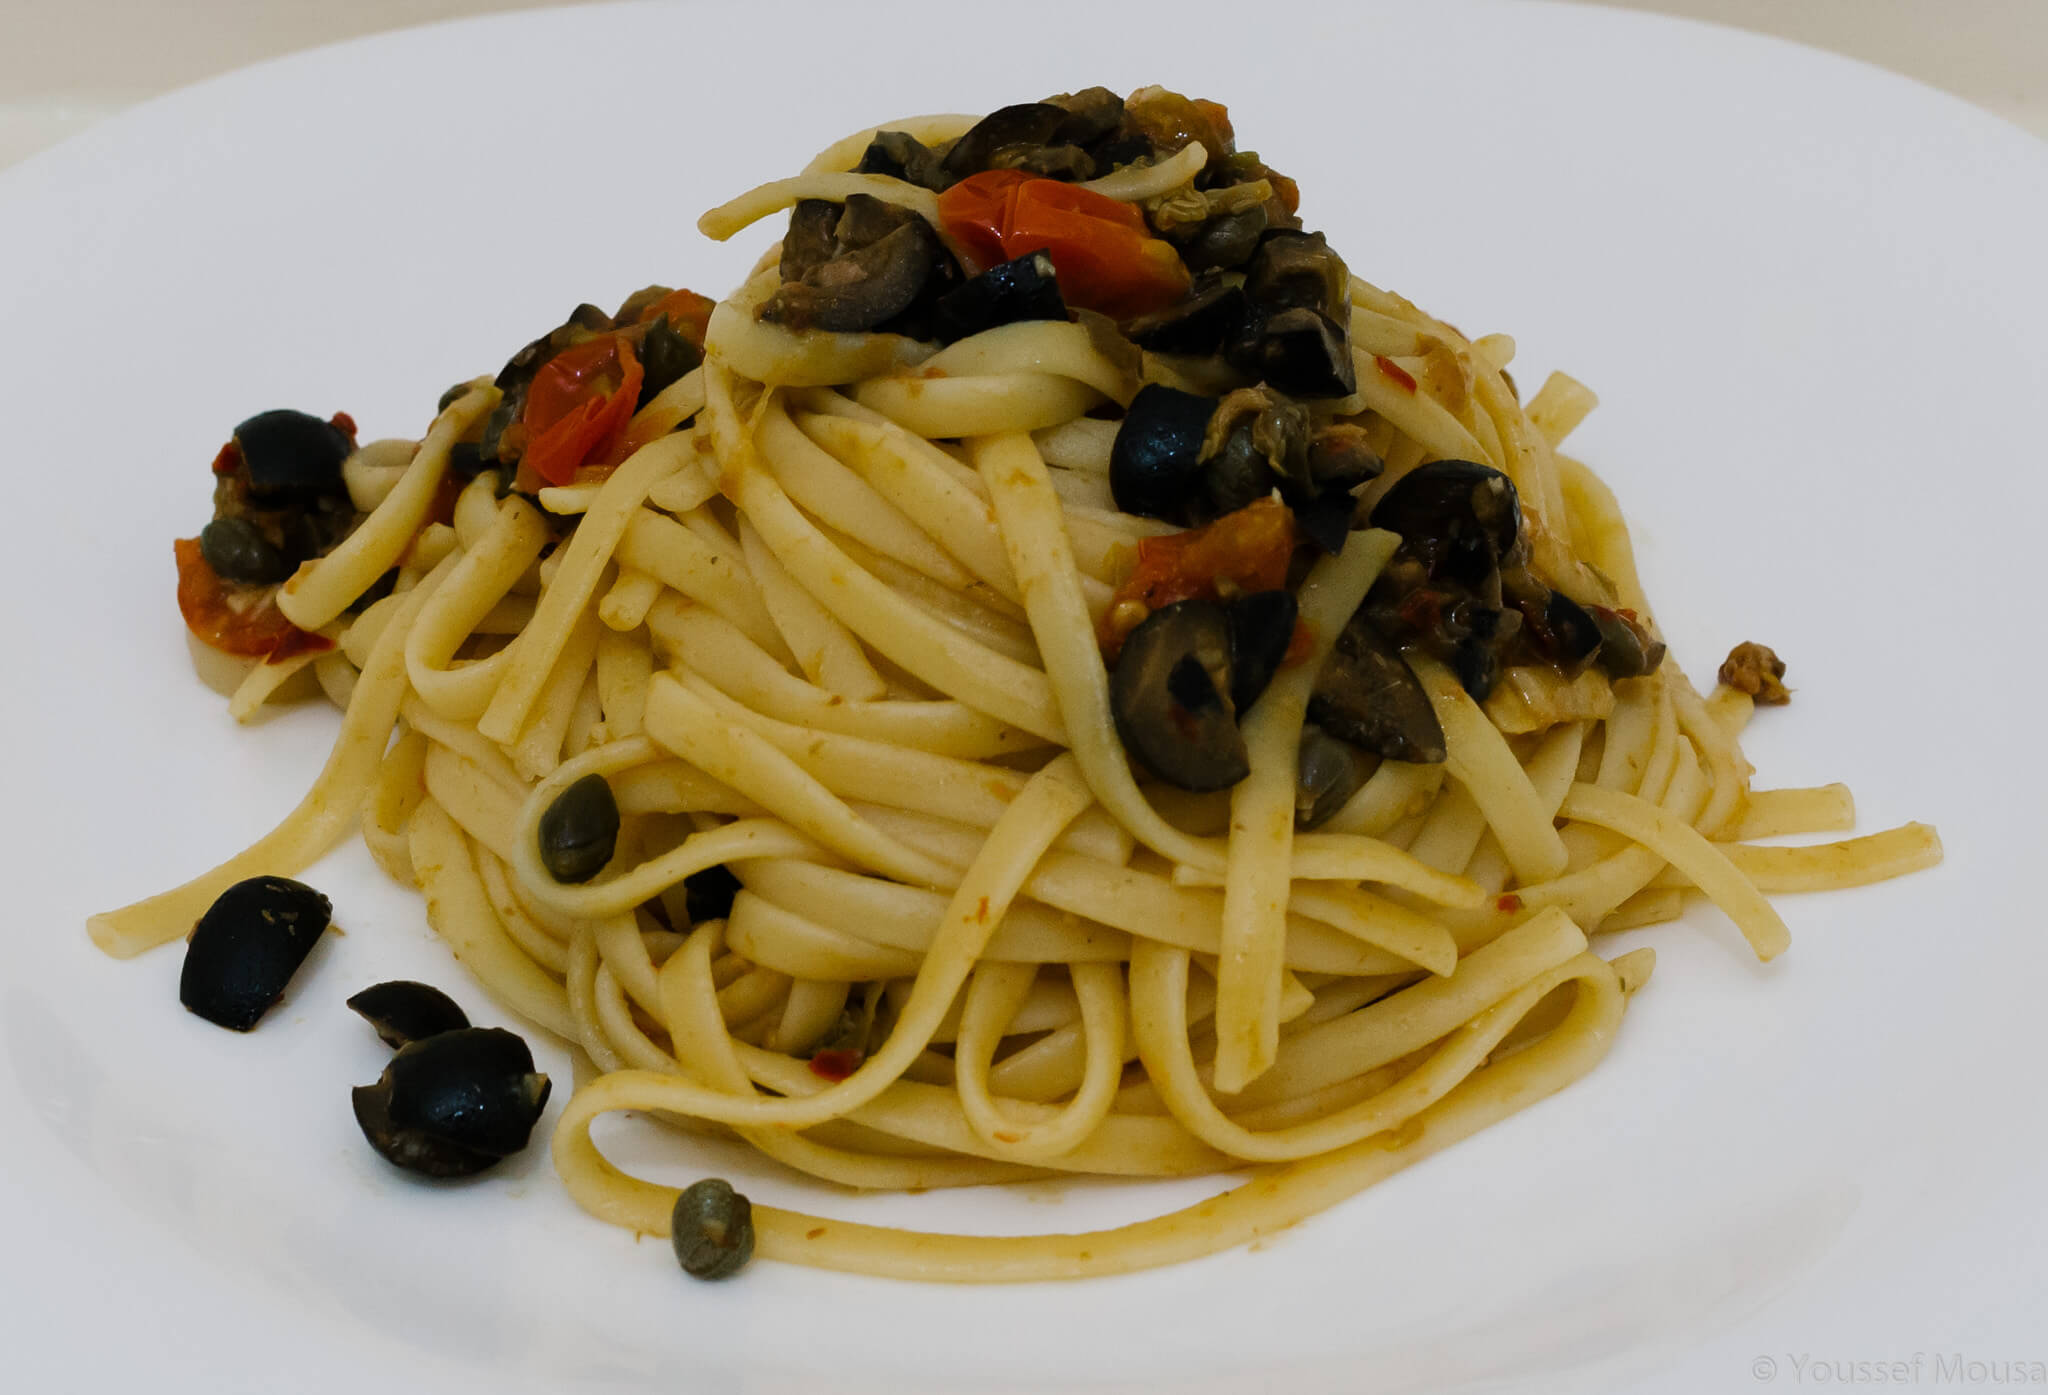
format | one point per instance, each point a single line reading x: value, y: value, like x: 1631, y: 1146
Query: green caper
x: 238, y: 552
x: 712, y: 1229
x: 579, y: 830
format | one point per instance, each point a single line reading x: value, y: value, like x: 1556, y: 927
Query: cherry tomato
x: 688, y: 313
x: 235, y: 620
x: 1100, y: 248
x: 577, y: 409
x: 1242, y: 552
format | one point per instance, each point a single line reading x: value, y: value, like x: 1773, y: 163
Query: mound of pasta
x: 1054, y: 675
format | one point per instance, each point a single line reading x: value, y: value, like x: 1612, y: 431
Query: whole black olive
x: 237, y: 551
x: 403, y: 1011
x: 580, y: 830
x: 707, y: 895
x: 1155, y: 461
x: 1026, y: 288
x: 1457, y: 517
x: 291, y: 456
x: 1329, y: 773
x: 712, y: 1229
x: 1261, y: 628
x: 1170, y: 697
x: 1209, y: 317
x: 1367, y: 695
x: 245, y: 949
x: 454, y: 1103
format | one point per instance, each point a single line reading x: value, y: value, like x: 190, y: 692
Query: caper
x: 579, y: 830
x: 712, y: 1229
x: 238, y: 552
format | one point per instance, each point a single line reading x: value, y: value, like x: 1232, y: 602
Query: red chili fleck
x: 814, y: 1232
x: 1300, y: 645
x: 1395, y: 371
x: 1625, y: 613
x: 981, y: 912
x: 1509, y: 902
x: 835, y: 1062
x: 297, y: 641
x: 1422, y: 609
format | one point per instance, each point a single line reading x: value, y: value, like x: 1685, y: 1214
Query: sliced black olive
x: 292, y: 456
x: 809, y: 242
x: 1024, y: 289
x: 666, y: 354
x: 1026, y: 123
x: 403, y: 1011
x: 1341, y: 456
x: 1299, y: 351
x: 1329, y: 773
x: 1367, y: 695
x: 247, y: 946
x: 1067, y: 162
x: 377, y: 591
x: 1093, y: 113
x: 453, y: 1104
x: 1241, y: 471
x: 1170, y: 697
x: 450, y: 397
x: 712, y: 1229
x: 1210, y: 316
x: 1223, y: 241
x: 1456, y: 517
x: 580, y: 830
x: 1627, y: 649
x: 238, y: 551
x: 1261, y: 628
x: 1155, y: 462
x: 902, y: 156
x: 1569, y: 634
x: 1477, y: 664
x: 1298, y: 270
x: 882, y: 257
x: 1325, y: 519
x: 1113, y: 152
x: 466, y: 460
x: 707, y: 895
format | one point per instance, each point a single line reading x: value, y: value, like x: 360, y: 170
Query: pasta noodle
x: 842, y: 617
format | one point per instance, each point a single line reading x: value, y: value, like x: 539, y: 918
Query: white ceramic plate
x: 1811, y: 295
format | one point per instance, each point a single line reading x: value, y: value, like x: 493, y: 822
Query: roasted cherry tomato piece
x: 234, y: 620
x: 1104, y: 257
x: 578, y: 407
x: 1239, y: 553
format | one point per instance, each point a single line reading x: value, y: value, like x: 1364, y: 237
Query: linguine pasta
x: 841, y: 620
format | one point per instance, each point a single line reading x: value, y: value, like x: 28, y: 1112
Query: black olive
x: 1261, y: 628
x: 1367, y: 696
x: 1227, y: 240
x: 1329, y: 773
x: 1240, y: 472
x: 1458, y: 518
x: 466, y: 460
x: 1155, y: 462
x: 291, y: 456
x: 1026, y: 288
x: 707, y: 895
x: 712, y: 1229
x: 1066, y: 162
x: 1300, y: 351
x: 1626, y: 648
x: 903, y: 156
x: 882, y: 258
x: 1124, y: 148
x: 454, y: 1103
x: 666, y: 354
x: 809, y: 243
x: 378, y: 590
x: 1026, y: 123
x: 1210, y: 316
x: 450, y: 397
x: 1093, y: 113
x: 1325, y: 519
x: 1340, y: 456
x: 579, y: 830
x: 247, y: 946
x: 403, y: 1011
x: 1298, y: 270
x: 1170, y: 697
x: 1569, y: 634
x: 1477, y: 664
x: 237, y: 551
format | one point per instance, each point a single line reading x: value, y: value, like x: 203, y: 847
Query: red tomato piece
x: 235, y: 622
x: 1100, y: 248
x: 577, y: 409
x: 1244, y: 551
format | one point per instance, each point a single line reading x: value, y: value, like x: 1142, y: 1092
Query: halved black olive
x: 404, y: 1012
x: 1026, y: 288
x: 707, y: 895
x: 1261, y: 628
x: 1627, y: 649
x: 1328, y: 774
x: 1155, y: 462
x: 1170, y: 697
x: 1325, y: 519
x: 881, y: 257
x: 1224, y: 240
x: 1297, y: 270
x: 238, y: 551
x: 1068, y: 162
x: 808, y: 243
x: 711, y: 1229
x: 1242, y: 470
x: 1458, y: 518
x: 245, y: 949
x: 666, y: 354
x: 1025, y: 123
x: 1341, y: 456
x: 903, y: 156
x: 454, y: 1103
x: 1203, y: 323
x: 1366, y: 695
x: 580, y: 830
x: 1093, y: 113
x: 1569, y: 634
x: 1299, y: 351
x: 292, y: 456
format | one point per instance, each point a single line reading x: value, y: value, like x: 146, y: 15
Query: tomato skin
x: 1105, y: 257
x: 688, y: 313
x: 1245, y: 551
x: 259, y: 632
x: 577, y: 409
